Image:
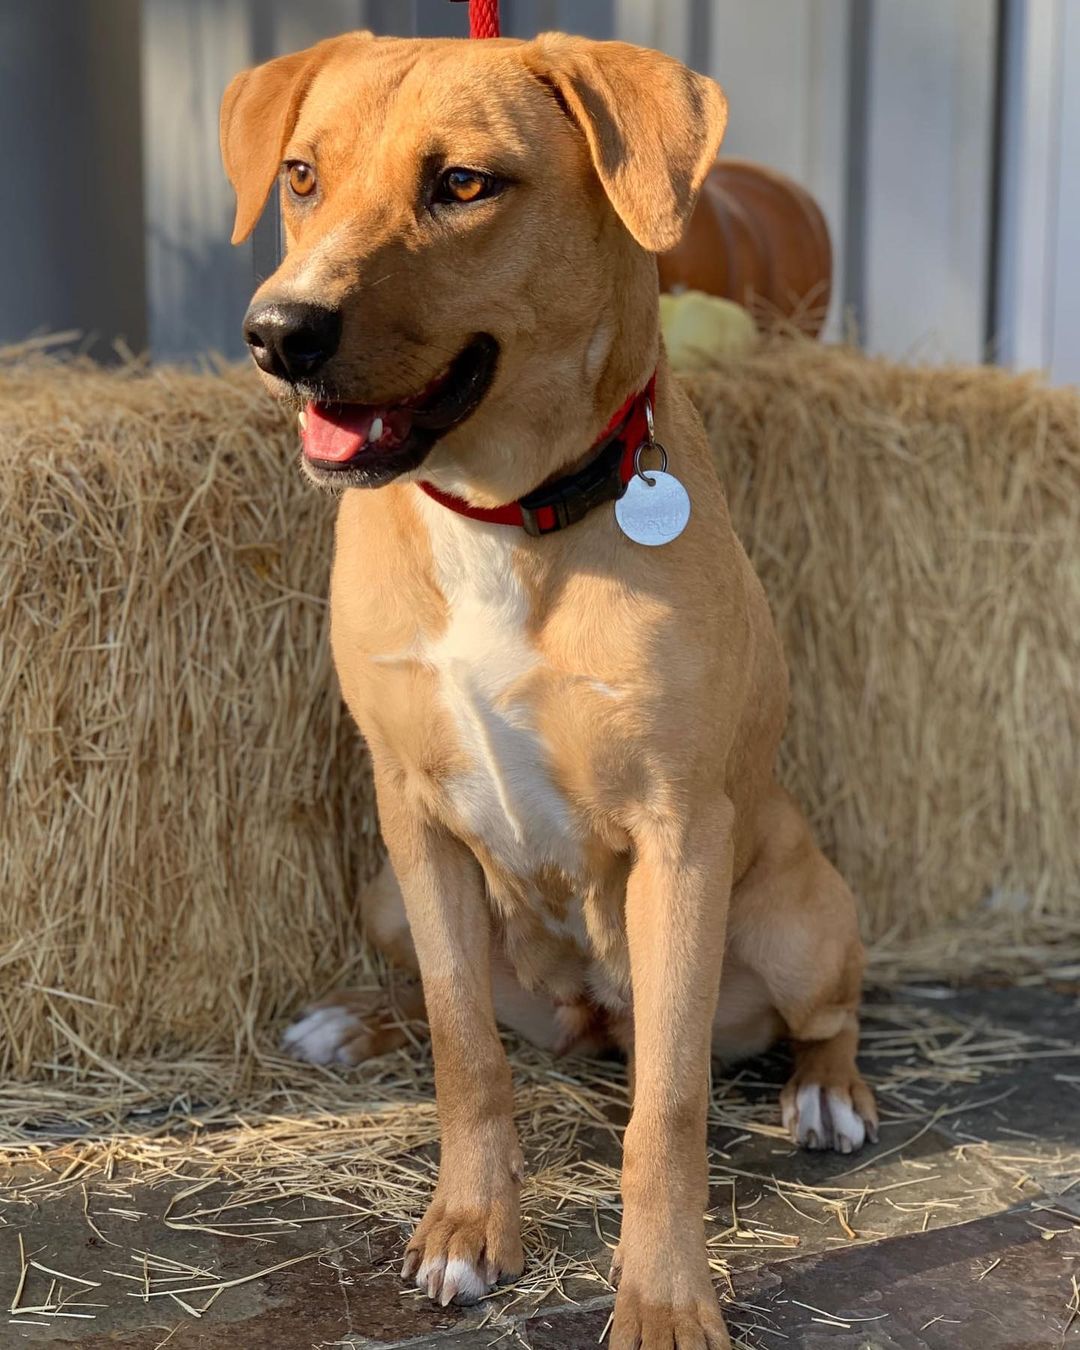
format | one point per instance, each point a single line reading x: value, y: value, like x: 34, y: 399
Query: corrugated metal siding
x: 886, y: 111
x: 72, y: 253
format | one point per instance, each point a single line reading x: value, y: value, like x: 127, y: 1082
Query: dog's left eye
x: 301, y: 178
x: 465, y: 185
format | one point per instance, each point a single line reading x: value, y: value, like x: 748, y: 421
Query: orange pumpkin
x: 760, y: 239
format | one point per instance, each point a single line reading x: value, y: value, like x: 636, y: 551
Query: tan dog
x: 573, y: 735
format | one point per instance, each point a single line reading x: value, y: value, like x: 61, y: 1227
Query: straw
x: 188, y: 814
x: 917, y: 531
x: 187, y: 810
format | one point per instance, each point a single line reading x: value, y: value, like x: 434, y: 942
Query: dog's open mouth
x: 368, y: 444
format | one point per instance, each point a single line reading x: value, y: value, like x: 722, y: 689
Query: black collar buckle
x: 570, y: 499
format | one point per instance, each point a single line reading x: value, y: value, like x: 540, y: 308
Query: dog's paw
x: 348, y: 1027
x: 470, y: 1237
x: 665, y: 1312
x: 840, y: 1116
x: 458, y: 1258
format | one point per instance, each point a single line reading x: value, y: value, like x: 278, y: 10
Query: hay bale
x: 187, y: 812
x: 918, y: 533
x: 187, y: 809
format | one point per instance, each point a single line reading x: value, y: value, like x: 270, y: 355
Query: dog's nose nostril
x: 291, y: 340
x: 303, y: 350
x: 253, y: 336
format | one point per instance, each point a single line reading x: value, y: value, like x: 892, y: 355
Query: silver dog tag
x: 654, y: 509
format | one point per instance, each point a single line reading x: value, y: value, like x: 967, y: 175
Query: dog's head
x: 470, y: 235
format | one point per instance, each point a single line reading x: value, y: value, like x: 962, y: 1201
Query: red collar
x: 567, y: 500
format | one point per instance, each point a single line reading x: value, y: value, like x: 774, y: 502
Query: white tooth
x: 302, y: 419
x: 376, y: 430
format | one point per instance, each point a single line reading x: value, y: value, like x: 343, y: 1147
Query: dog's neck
x: 565, y: 499
x: 542, y: 420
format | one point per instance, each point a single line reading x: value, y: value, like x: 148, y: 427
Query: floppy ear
x: 653, y: 127
x: 258, y: 112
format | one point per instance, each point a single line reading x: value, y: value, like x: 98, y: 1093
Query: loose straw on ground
x: 351, y: 1159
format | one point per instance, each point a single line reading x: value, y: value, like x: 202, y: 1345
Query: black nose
x: 291, y: 340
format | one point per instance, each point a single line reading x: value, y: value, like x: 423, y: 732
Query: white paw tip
x: 837, y: 1126
x: 319, y: 1036
x: 848, y: 1127
x: 468, y: 1283
x: 454, y: 1279
x: 808, y: 1125
x: 429, y: 1276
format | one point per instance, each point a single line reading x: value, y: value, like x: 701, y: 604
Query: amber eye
x: 301, y: 179
x: 465, y: 185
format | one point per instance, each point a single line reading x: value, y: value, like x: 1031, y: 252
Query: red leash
x: 483, y: 18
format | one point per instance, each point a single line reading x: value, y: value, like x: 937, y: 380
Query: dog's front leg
x: 676, y: 914
x: 470, y: 1236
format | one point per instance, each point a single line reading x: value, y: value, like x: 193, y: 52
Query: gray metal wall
x: 120, y: 216
x: 944, y: 160
x: 73, y: 229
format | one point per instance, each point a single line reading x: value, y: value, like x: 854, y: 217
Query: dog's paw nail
x: 812, y: 1139
x: 409, y: 1265
x: 844, y: 1144
x: 449, y: 1289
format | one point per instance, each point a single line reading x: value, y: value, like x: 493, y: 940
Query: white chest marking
x: 507, y: 799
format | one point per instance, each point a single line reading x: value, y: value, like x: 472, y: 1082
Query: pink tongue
x: 335, y: 434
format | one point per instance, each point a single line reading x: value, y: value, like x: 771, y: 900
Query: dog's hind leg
x: 351, y: 1025
x: 826, y: 1103
x: 794, y: 925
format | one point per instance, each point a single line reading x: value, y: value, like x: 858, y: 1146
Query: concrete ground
x: 961, y: 1228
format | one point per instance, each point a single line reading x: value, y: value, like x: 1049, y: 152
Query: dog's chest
x: 485, y: 664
